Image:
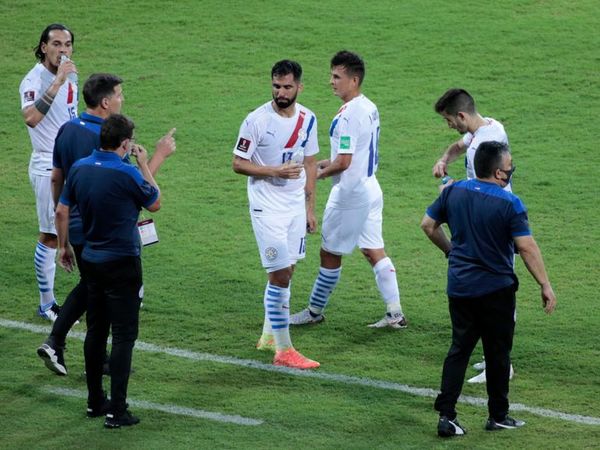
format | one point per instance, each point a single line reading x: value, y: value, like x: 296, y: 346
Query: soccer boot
x: 507, y: 424
x: 294, y: 359
x: 124, y: 419
x: 305, y: 317
x: 449, y: 428
x: 49, y: 313
x: 396, y: 321
x: 266, y: 343
x: 53, y: 357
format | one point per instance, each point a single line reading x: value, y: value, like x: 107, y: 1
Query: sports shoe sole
x: 48, y: 354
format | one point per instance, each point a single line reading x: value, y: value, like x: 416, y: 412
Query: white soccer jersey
x: 492, y: 131
x: 355, y: 130
x: 63, y: 108
x: 268, y: 139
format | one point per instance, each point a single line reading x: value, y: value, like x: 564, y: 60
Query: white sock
x: 45, y: 267
x: 385, y: 277
x: 277, y: 308
x: 324, y: 285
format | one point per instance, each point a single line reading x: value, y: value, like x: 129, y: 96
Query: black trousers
x: 74, y: 305
x: 114, y: 290
x: 491, y: 318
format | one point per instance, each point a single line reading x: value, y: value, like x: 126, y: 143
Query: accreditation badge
x: 147, y: 232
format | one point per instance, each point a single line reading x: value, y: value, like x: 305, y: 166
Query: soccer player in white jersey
x: 48, y: 100
x: 275, y: 149
x: 457, y: 107
x: 353, y: 215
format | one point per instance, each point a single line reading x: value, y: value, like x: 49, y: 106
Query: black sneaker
x: 507, y: 424
x: 98, y: 410
x: 123, y: 419
x: 449, y: 428
x: 53, y: 357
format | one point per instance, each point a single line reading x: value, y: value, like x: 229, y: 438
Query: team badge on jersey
x: 344, y: 142
x: 243, y: 145
x: 302, y: 134
x: 271, y: 253
x: 29, y: 96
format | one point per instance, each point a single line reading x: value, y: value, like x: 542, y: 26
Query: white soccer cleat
x: 482, y: 379
x: 397, y: 322
x: 305, y: 317
x: 50, y: 314
x: 479, y: 366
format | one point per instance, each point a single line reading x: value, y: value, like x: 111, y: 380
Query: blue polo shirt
x: 483, y: 219
x: 76, y: 139
x: 110, y: 194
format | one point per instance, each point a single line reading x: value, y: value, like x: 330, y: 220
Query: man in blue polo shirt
x: 486, y: 223
x: 103, y: 95
x: 109, y: 194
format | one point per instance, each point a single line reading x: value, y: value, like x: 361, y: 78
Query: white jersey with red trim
x: 268, y: 139
x: 355, y: 130
x: 63, y: 109
x: 491, y: 131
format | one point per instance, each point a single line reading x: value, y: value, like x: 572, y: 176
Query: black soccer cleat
x: 449, y: 428
x: 123, y: 419
x: 507, y: 424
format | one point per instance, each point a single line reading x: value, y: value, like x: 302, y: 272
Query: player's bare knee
x: 281, y: 277
x: 373, y: 255
x: 49, y: 240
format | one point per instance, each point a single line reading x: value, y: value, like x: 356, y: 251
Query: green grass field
x: 201, y: 67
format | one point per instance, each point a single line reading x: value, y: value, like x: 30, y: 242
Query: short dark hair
x: 99, y: 86
x: 455, y: 100
x: 352, y: 62
x: 115, y: 129
x: 285, y: 67
x: 488, y: 158
x: 46, y: 35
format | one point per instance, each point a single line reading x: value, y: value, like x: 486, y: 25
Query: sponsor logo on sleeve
x: 29, y: 96
x: 344, y: 142
x: 243, y: 145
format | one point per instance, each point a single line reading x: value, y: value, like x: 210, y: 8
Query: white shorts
x: 44, y: 203
x: 281, y: 240
x: 345, y: 229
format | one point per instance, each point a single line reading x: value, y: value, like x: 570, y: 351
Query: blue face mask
x: 508, y: 173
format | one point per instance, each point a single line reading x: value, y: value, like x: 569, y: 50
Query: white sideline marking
x: 170, y: 409
x: 345, y: 379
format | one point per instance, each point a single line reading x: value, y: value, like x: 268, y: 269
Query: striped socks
x: 277, y: 308
x: 45, y: 267
x: 322, y: 289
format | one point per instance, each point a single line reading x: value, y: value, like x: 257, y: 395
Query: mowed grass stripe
x: 170, y: 409
x: 320, y: 375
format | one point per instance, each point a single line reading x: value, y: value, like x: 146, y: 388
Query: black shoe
x: 53, y: 357
x: 507, y: 424
x: 449, y: 428
x: 123, y: 419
